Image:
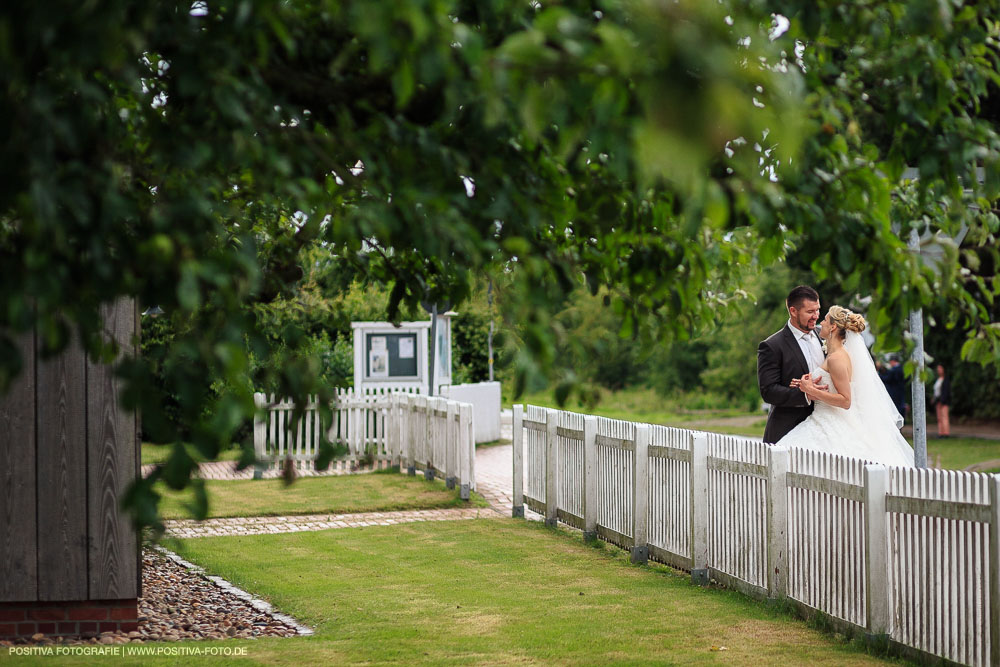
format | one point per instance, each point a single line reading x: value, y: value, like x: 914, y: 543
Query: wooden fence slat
x: 466, y: 451
x: 994, y: 569
x: 111, y: 452
x: 517, y: 444
x: 640, y: 494
x: 876, y: 481
x: 18, y: 519
x: 699, y: 508
x: 777, y: 523
x: 551, y: 454
x: 590, y: 497
x: 62, y: 475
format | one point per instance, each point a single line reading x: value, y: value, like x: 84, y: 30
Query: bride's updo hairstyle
x: 846, y: 321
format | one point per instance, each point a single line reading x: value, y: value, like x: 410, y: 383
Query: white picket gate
x: 910, y: 556
x: 395, y: 428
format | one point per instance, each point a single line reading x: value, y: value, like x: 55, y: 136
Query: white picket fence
x: 433, y: 435
x: 912, y: 556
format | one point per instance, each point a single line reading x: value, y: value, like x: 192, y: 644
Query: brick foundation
x: 76, y: 618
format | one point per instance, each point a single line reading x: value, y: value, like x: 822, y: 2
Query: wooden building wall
x: 68, y: 452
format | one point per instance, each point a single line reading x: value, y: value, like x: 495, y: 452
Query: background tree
x: 188, y: 155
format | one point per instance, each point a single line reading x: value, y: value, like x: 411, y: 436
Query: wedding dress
x: 868, y: 430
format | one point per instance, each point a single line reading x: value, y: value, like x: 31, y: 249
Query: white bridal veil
x: 872, y: 407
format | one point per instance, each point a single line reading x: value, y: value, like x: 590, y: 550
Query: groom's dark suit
x: 779, y: 360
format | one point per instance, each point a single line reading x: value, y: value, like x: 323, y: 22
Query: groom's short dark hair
x: 800, y: 294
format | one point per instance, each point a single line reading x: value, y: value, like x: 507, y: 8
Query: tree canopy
x: 188, y: 153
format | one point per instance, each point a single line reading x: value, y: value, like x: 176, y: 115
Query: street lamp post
x: 918, y: 399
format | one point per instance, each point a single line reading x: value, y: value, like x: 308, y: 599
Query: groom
x: 788, y: 354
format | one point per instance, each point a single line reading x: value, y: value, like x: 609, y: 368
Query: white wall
x: 485, y: 399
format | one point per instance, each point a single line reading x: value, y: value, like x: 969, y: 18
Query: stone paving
x: 226, y: 470
x: 273, y: 525
x: 494, y: 481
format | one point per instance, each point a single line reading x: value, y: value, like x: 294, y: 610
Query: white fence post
x: 589, y: 478
x: 699, y: 508
x: 428, y: 447
x: 777, y: 522
x: 399, y: 405
x: 259, y: 433
x: 994, y: 550
x: 411, y: 430
x: 452, y: 439
x: 551, y: 508
x: 640, y: 494
x: 385, y: 421
x: 472, y: 445
x: 466, y: 449
x: 517, y: 444
x: 876, y: 482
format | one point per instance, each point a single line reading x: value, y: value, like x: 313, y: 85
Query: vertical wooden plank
x: 111, y: 451
x: 259, y: 432
x: 451, y: 437
x: 517, y: 444
x: 272, y: 418
x: 466, y: 449
x: 394, y: 431
x: 428, y: 437
x: 699, y: 508
x: 18, y: 518
x: 951, y: 602
x: 410, y: 416
x: 640, y: 494
x: 305, y: 448
x: 777, y: 522
x: 876, y: 563
x: 470, y: 429
x: 994, y: 568
x: 401, y: 421
x: 551, y: 421
x: 137, y: 420
x: 62, y: 475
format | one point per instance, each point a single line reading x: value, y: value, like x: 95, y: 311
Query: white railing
x: 433, y: 435
x: 902, y: 555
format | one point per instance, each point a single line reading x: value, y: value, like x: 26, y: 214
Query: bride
x: 854, y: 416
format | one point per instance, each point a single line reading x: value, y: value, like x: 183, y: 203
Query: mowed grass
x: 960, y: 453
x: 498, y: 591
x: 342, y: 494
x: 643, y: 404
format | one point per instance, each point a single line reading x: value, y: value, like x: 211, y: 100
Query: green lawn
x: 342, y: 494
x: 492, y: 443
x: 959, y: 453
x: 497, y: 591
x: 645, y: 405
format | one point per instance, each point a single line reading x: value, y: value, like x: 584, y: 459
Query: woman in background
x: 942, y: 399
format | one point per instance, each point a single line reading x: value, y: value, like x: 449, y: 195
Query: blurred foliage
x: 193, y: 155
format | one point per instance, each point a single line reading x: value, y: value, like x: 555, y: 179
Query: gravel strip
x: 180, y: 603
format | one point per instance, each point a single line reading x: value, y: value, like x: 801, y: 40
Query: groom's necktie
x: 814, y: 356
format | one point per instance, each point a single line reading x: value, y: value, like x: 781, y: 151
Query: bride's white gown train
x: 867, y: 430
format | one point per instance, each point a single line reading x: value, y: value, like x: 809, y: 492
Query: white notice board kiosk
x: 388, y: 358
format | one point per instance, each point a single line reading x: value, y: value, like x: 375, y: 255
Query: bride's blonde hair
x: 846, y: 321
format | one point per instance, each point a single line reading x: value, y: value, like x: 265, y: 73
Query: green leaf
x: 403, y: 84
x: 178, y: 467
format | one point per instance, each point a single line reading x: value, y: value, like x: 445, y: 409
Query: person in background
x: 895, y: 383
x: 942, y: 399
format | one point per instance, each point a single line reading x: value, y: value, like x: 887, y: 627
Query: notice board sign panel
x: 390, y: 355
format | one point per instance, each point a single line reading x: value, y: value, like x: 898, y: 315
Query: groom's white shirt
x: 810, y: 345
